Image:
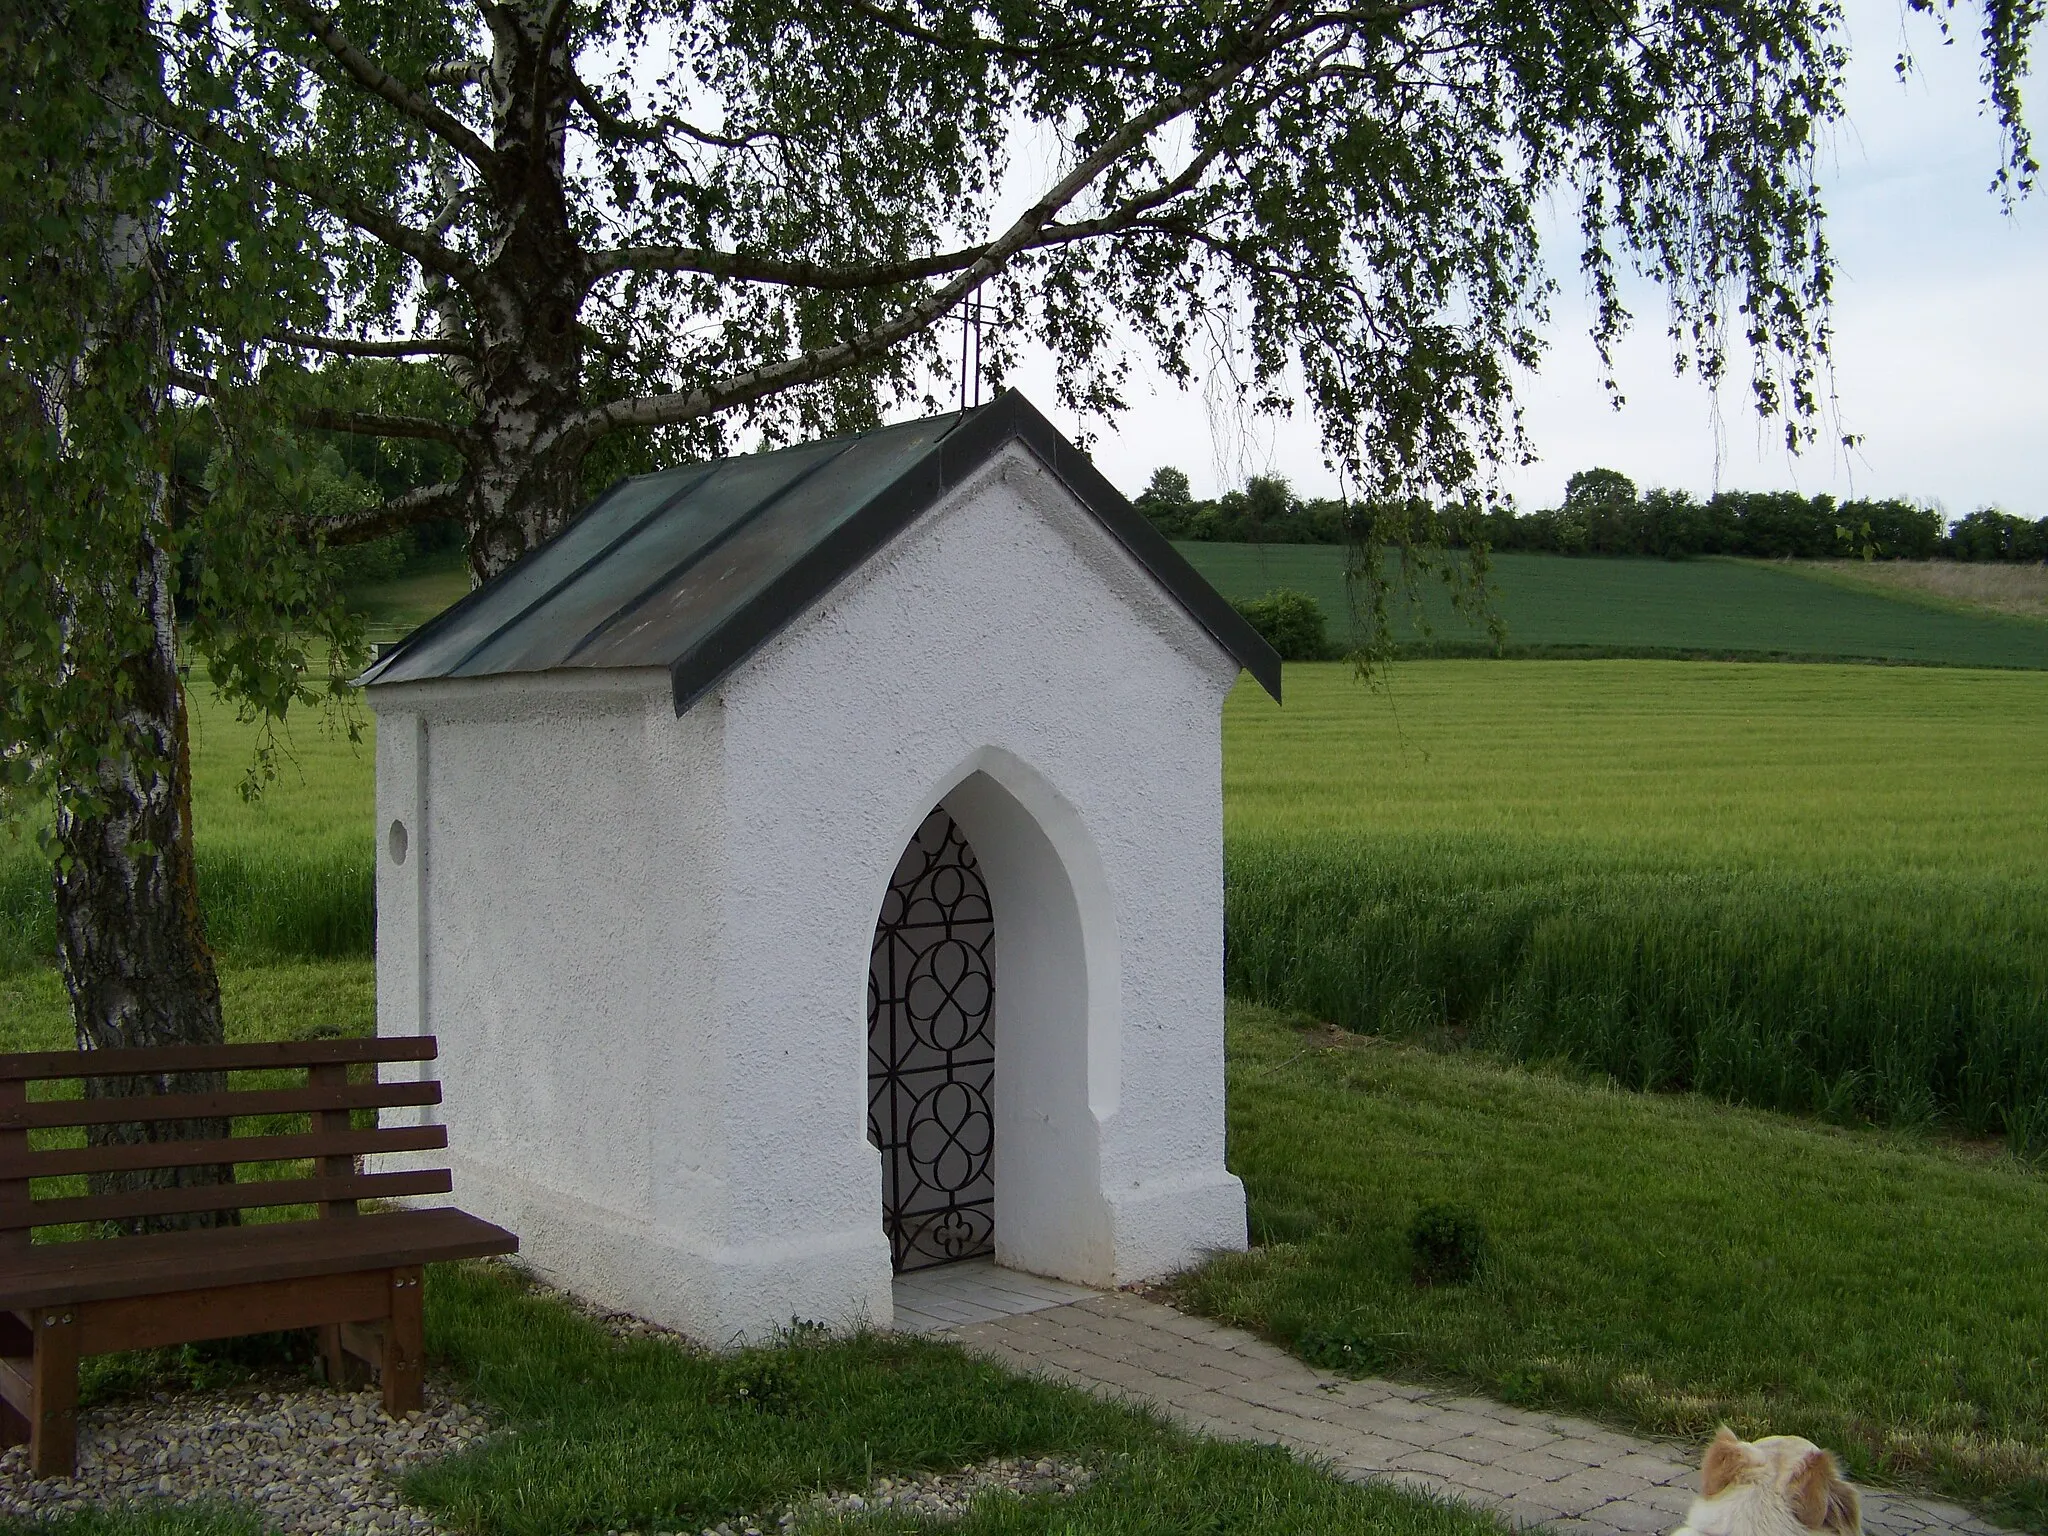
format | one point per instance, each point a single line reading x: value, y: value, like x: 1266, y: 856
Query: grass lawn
x: 1553, y: 603
x: 1704, y: 763
x: 1664, y: 1263
x: 393, y: 609
x: 290, y: 872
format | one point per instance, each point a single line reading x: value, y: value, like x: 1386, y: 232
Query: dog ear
x: 1821, y: 1499
x: 1845, y: 1508
x: 1724, y: 1462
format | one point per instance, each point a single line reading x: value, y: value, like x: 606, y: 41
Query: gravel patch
x: 305, y: 1460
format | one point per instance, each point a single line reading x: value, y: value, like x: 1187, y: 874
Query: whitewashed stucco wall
x: 644, y: 940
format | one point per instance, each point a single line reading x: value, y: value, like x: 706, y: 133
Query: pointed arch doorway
x: 931, y: 1051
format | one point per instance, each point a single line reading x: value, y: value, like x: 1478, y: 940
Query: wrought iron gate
x: 931, y: 1057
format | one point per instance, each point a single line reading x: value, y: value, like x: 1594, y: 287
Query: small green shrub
x: 759, y: 1381
x: 1448, y: 1245
x: 1349, y: 1353
x: 1291, y: 622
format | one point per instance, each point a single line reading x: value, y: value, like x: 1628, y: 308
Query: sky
x: 1940, y: 351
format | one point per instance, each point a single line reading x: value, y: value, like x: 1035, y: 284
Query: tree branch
x: 823, y: 362
x: 325, y: 30
x: 469, y: 71
x: 748, y: 267
x: 616, y: 126
x: 326, y: 419
x: 208, y: 135
x: 779, y: 272
x: 348, y: 346
x: 420, y: 505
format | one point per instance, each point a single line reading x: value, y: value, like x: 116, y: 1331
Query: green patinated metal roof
x: 694, y: 568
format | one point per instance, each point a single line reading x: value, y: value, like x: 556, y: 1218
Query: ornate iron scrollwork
x: 931, y: 1056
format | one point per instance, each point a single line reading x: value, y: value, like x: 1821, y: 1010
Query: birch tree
x: 94, y: 737
x: 702, y: 217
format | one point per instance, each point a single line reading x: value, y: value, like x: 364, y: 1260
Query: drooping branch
x: 907, y: 26
x: 349, y: 346
x: 457, y: 135
x: 206, y: 134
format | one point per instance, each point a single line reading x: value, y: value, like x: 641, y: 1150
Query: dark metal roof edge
x: 1145, y: 544
x: 973, y: 440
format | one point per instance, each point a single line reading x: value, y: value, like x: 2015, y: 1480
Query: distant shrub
x: 1291, y: 622
x: 1448, y: 1245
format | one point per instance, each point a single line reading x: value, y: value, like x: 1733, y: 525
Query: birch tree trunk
x: 131, y: 933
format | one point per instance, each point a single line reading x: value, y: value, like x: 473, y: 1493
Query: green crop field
x: 1816, y: 888
x: 1553, y: 604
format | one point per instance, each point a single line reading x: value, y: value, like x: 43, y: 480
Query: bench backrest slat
x: 253, y: 1057
x: 55, y: 1162
x: 144, y: 1087
x: 221, y: 1197
x: 53, y: 1114
x: 14, y: 1203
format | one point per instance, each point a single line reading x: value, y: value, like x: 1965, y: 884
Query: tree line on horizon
x: 1603, y: 513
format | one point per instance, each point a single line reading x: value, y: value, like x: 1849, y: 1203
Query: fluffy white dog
x: 1777, y: 1486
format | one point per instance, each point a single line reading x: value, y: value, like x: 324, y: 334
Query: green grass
x: 274, y: 1001
x: 633, y: 1435
x: 1665, y: 1263
x: 1553, y: 604
x: 288, y: 874
x: 393, y: 609
x: 149, y: 1519
x: 1822, y: 889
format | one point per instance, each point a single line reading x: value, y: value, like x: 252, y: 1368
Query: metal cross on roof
x: 974, y: 314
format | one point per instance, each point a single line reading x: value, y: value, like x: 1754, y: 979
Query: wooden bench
x: 355, y: 1275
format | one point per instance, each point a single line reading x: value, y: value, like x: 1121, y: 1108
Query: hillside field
x: 1554, y: 604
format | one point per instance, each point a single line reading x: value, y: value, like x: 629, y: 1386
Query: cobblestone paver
x: 1530, y: 1468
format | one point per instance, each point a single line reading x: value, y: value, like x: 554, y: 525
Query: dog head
x: 1777, y: 1486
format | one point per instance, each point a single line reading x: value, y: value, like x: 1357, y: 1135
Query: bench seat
x: 53, y: 1274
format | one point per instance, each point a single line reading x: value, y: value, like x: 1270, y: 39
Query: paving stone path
x: 1531, y: 1468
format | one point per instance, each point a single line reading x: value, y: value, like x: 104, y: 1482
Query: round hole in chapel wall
x: 397, y: 842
